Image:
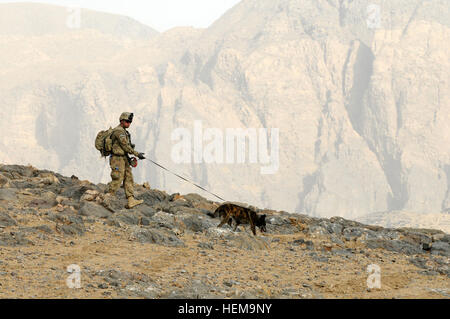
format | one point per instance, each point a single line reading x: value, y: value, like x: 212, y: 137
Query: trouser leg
x: 117, y: 173
x: 128, y: 182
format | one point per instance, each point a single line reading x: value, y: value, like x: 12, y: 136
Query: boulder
x: 94, y: 210
x: 8, y: 194
x: 162, y: 237
x: 6, y: 220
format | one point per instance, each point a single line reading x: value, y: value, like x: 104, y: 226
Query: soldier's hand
x: 141, y: 156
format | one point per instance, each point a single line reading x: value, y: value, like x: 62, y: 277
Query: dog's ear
x: 263, y: 217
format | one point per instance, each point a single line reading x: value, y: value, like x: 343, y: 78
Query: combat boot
x: 132, y: 202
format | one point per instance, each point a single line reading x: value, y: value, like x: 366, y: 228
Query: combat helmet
x: 126, y: 116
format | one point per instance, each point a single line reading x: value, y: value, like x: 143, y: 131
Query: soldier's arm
x: 123, y: 141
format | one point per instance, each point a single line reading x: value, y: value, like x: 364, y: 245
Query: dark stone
x: 14, y: 239
x: 92, y: 209
x: 205, y: 245
x: 192, y: 197
x: 76, y: 191
x: 335, y: 228
x: 419, y: 262
x: 162, y: 237
x: 152, y: 197
x: 352, y: 233
x: 124, y: 217
x: 42, y: 203
x: 298, y: 242
x: 24, y: 171
x: 6, y: 220
x: 8, y: 194
x: 71, y: 230
x: 182, y: 210
x: 197, y: 223
x: 321, y: 259
x: 37, y: 229
x: 440, y: 248
x: 145, y: 210
x: 399, y: 246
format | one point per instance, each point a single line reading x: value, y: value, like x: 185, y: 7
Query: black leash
x: 186, y: 180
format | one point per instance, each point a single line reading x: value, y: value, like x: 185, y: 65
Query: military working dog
x: 241, y: 215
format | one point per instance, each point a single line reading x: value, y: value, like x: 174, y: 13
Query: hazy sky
x: 158, y: 14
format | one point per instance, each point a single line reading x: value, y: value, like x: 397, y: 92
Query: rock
x: 145, y: 221
x: 37, y: 229
x: 164, y: 219
x: 95, y: 210
x: 230, y: 283
x: 352, y: 233
x: 342, y: 252
x: 247, y: 242
x: 440, y: 248
x: 317, y: 230
x: 152, y: 197
x: 335, y: 228
x: 129, y: 218
x: 18, y: 170
x: 178, y: 210
x: 162, y: 237
x: 335, y: 239
x: 419, y: 262
x: 8, y: 193
x: 90, y: 195
x: 197, y: 223
x: 321, y: 259
x: 395, y: 245
x: 6, y: 220
x: 76, y: 190
x: 69, y: 223
x: 144, y: 210
x: 4, y: 181
x: 441, y: 237
x: 205, y: 245
x: 71, y: 230
x: 14, y: 239
x: 46, y: 200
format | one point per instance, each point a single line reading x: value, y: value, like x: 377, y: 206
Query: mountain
x: 170, y: 247
x: 357, y: 89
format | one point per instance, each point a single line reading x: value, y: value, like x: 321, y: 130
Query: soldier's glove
x: 133, y: 146
x: 141, y: 156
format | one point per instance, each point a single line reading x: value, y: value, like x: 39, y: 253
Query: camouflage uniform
x: 120, y: 167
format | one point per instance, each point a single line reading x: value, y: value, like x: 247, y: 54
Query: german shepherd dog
x: 240, y: 215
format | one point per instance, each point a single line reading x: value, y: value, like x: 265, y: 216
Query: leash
x: 186, y: 180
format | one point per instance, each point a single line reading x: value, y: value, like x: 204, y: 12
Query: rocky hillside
x: 360, y: 98
x: 170, y: 248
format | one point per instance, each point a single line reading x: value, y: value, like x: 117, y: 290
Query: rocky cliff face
x: 359, y: 94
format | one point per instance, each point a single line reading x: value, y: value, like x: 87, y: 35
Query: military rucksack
x: 103, y: 142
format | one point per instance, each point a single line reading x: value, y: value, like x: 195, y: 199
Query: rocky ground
x: 169, y: 248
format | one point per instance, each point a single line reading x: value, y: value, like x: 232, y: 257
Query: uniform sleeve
x: 123, y: 141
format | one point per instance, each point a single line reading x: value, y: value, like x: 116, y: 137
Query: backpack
x: 103, y: 142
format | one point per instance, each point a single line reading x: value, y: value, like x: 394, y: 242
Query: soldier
x: 119, y: 161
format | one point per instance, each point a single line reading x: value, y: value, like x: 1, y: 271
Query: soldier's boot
x: 132, y: 202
